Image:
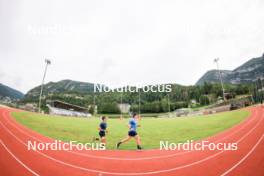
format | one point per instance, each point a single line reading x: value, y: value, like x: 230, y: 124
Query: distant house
x: 29, y: 107
x: 124, y: 107
x: 193, y: 101
x: 5, y: 100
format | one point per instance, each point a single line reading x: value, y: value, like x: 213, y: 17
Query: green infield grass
x: 152, y: 130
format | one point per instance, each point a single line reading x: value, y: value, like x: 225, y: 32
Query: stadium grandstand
x: 57, y: 107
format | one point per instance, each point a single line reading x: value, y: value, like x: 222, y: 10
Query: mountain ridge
x: 6, y: 91
x: 63, y: 86
x: 245, y: 73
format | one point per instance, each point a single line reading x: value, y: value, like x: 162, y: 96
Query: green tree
x: 204, y: 100
x: 108, y: 108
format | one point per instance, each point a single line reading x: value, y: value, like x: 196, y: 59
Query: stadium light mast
x: 168, y: 103
x: 47, y: 61
x: 139, y: 102
x: 220, y: 77
x: 121, y: 105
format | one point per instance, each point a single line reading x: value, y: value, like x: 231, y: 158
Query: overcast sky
x: 125, y: 42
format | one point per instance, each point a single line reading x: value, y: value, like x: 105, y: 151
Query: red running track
x: 15, y: 159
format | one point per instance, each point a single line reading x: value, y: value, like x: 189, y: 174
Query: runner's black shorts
x: 132, y: 133
x: 102, y: 134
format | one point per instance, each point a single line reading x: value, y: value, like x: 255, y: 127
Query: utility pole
x: 220, y: 77
x: 41, y: 90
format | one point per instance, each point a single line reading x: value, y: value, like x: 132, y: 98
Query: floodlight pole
x: 41, y: 90
x: 168, y: 103
x: 121, y: 106
x: 220, y: 77
x: 139, y: 102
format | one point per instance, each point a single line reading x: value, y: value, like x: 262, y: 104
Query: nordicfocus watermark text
x: 151, y: 88
x: 59, y: 145
x: 202, y: 145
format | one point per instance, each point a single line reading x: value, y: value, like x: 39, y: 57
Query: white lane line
x: 18, y: 160
x: 132, y: 159
x: 244, y: 158
x: 137, y: 173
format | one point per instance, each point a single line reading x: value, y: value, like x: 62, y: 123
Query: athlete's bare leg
x: 123, y: 141
x: 137, y: 137
x: 103, y: 140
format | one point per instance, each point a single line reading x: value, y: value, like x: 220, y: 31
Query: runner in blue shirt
x: 132, y: 133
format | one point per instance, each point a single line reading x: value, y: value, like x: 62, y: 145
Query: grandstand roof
x: 67, y: 106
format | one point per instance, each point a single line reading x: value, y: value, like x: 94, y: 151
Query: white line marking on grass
x: 137, y: 173
x: 18, y: 160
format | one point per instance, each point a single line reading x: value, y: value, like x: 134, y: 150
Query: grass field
x: 152, y: 130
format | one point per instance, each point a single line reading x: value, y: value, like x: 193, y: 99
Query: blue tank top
x: 133, y: 124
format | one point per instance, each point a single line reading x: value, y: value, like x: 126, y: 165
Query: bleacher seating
x: 64, y: 112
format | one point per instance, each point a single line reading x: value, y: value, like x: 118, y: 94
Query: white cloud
x: 125, y: 42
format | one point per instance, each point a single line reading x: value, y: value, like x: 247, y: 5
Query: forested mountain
x: 247, y: 73
x: 82, y: 94
x: 61, y: 87
x: 6, y: 91
x: 207, y: 90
